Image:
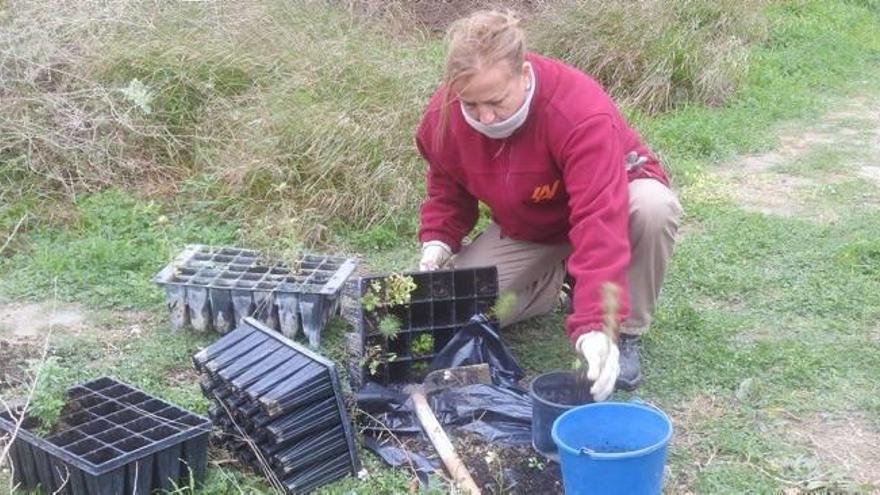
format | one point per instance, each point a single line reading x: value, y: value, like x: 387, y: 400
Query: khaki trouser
x: 535, y: 272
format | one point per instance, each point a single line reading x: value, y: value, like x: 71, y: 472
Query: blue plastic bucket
x: 612, y: 447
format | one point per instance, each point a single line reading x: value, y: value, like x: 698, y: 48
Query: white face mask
x: 506, y: 127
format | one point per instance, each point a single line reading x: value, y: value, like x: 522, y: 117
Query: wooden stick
x: 456, y: 468
x: 610, y: 306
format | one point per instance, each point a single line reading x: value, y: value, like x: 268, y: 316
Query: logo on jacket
x: 545, y: 192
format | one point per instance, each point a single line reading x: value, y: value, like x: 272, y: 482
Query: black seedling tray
x: 280, y: 407
x: 114, y: 439
x: 442, y: 302
x: 214, y: 287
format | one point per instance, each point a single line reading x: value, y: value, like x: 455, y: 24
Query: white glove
x: 603, y: 361
x: 435, y: 254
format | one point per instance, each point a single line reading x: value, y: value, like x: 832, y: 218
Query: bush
x: 288, y: 108
x: 47, y: 402
x: 296, y: 116
x: 656, y: 54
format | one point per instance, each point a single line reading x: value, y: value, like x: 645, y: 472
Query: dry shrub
x: 434, y: 17
x: 292, y: 108
x: 654, y: 54
x: 328, y: 135
x: 58, y: 124
x: 296, y: 115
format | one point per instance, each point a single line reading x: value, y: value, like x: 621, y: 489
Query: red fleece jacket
x: 560, y: 177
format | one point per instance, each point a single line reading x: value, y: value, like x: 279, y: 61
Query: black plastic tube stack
x: 279, y: 406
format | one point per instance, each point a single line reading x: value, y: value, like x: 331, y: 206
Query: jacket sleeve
x: 450, y: 212
x: 594, y: 173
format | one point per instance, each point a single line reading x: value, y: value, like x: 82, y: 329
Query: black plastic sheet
x: 397, y: 456
x: 500, y: 412
x: 476, y: 343
x: 385, y: 409
x: 497, y: 413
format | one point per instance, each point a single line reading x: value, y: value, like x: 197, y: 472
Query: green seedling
x: 397, y: 289
x: 389, y: 326
x: 504, y: 306
x: 536, y: 464
x: 49, y: 392
x: 375, y: 358
x: 496, y: 467
x: 423, y: 344
x: 371, y: 299
x: 419, y: 368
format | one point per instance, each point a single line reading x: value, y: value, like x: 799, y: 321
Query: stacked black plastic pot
x: 112, y: 439
x: 213, y: 288
x: 279, y: 406
x: 443, y: 301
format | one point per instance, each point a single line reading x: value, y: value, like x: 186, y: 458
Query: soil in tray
x: 440, y: 288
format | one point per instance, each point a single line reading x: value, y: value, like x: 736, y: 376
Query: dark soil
x: 513, y: 470
x: 14, y: 355
x: 440, y: 289
x: 565, y: 389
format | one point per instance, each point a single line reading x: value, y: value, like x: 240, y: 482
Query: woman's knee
x: 653, y: 206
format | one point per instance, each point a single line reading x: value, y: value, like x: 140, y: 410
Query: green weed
x: 48, y: 399
x: 422, y: 345
x: 504, y: 306
x: 389, y: 325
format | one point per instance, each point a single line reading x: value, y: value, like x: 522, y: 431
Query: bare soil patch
x: 14, y: 356
x: 690, y: 421
x: 754, y: 182
x: 848, y: 446
x: 25, y: 326
x: 497, y: 468
x: 22, y: 331
x: 34, y: 319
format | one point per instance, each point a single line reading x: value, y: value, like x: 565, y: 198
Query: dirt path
x: 34, y: 319
x: 818, y: 172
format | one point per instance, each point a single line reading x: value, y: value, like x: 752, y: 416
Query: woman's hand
x: 435, y: 255
x: 603, y: 362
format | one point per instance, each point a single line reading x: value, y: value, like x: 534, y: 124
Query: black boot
x: 566, y: 295
x: 630, y: 363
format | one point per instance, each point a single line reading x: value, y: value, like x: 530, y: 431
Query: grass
x: 812, y: 47
x: 766, y: 324
x: 107, y: 253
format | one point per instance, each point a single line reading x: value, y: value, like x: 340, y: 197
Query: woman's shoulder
x: 431, y: 113
x: 568, y: 96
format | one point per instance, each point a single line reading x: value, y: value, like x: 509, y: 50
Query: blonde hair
x: 477, y: 42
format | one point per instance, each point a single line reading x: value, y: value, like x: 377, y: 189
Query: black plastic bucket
x: 552, y: 394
